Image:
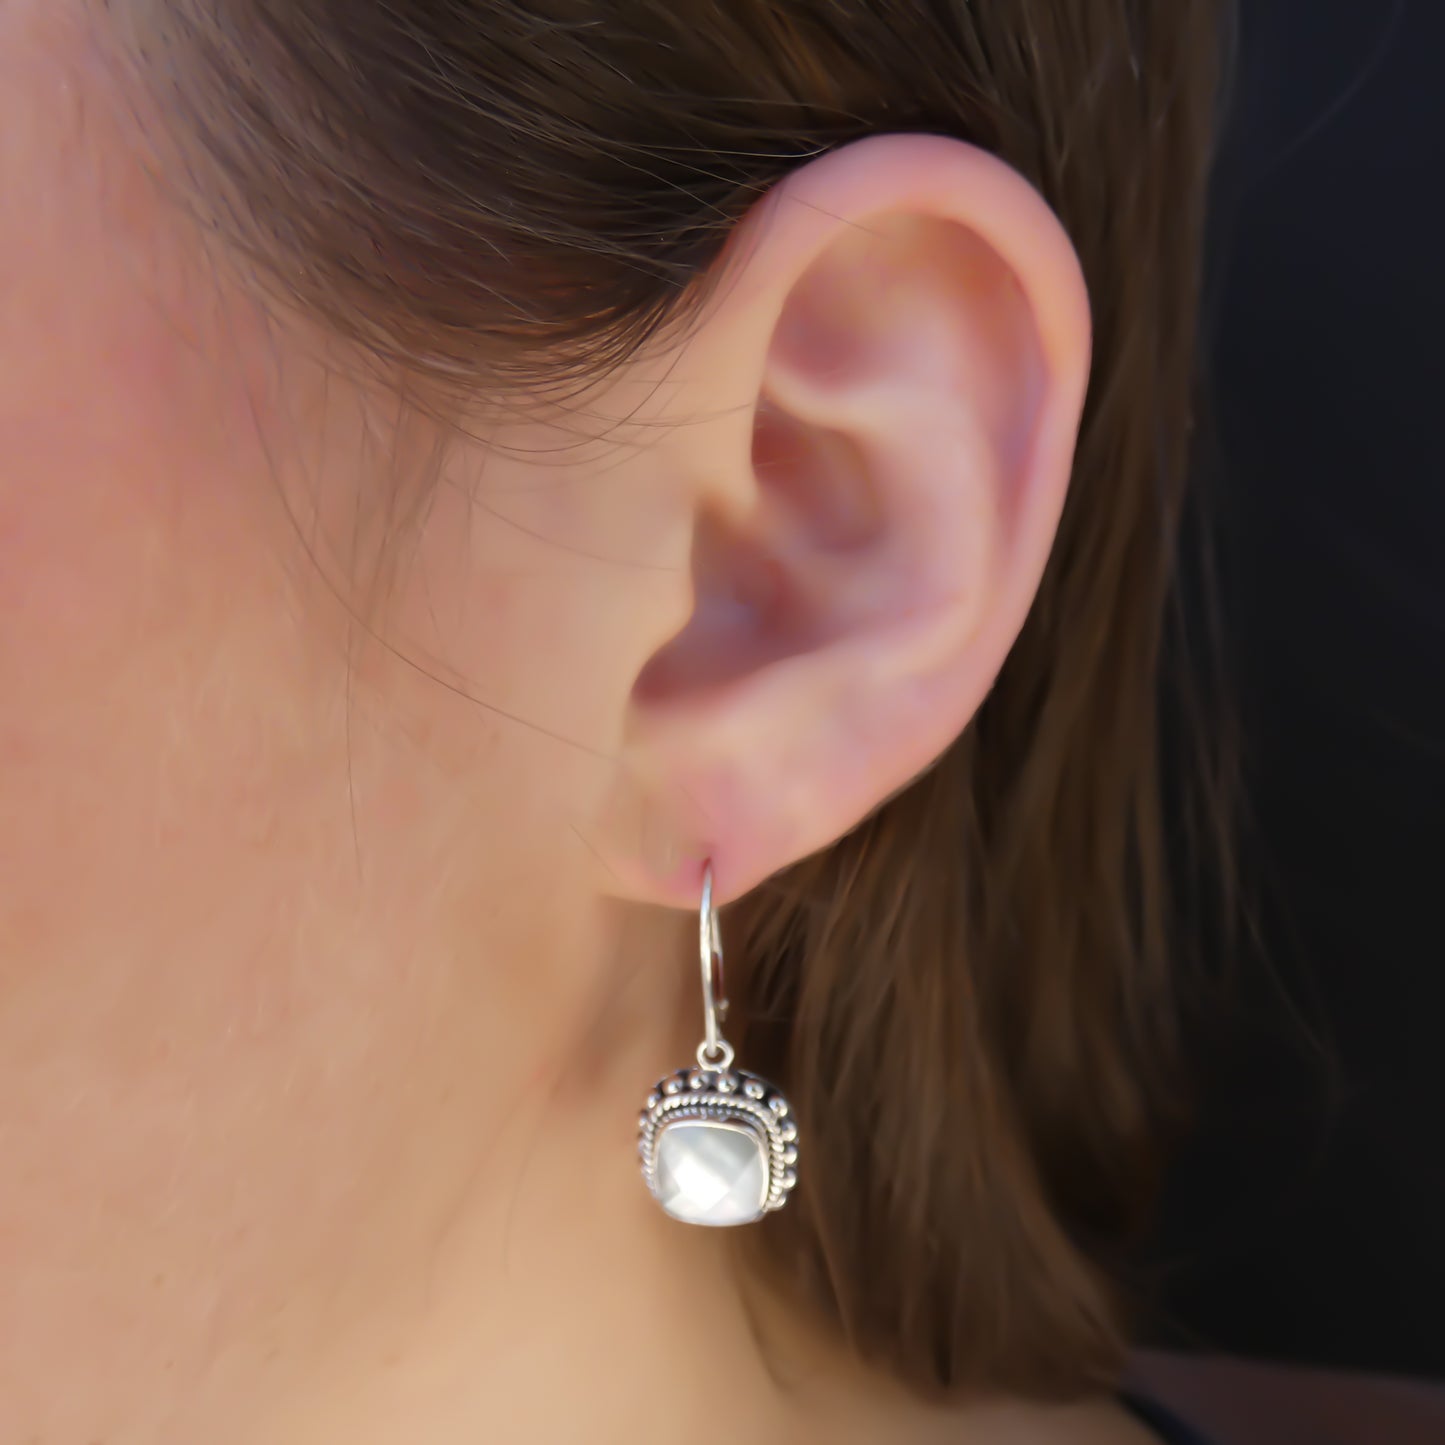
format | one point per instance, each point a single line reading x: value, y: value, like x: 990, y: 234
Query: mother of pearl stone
x: 711, y: 1171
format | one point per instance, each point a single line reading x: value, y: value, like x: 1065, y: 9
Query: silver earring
x: 718, y: 1145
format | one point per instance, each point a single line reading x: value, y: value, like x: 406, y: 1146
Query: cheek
x: 134, y: 540
x: 153, y: 669
x: 175, y: 1084
x: 159, y: 694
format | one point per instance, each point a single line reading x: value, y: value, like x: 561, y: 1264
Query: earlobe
x: 914, y: 327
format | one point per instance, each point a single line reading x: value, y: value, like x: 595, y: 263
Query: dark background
x: 1306, y: 1219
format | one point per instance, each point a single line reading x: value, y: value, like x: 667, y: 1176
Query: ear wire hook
x: 714, y: 1052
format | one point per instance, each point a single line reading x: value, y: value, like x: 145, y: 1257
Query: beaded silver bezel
x: 729, y: 1096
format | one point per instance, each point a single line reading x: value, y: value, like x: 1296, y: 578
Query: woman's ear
x: 905, y: 327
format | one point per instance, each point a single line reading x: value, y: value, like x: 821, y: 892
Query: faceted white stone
x: 710, y: 1171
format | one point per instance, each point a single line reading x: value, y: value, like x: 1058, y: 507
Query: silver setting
x: 724, y: 1106
x: 714, y: 1092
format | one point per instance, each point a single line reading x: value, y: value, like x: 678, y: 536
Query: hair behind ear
x: 967, y: 1107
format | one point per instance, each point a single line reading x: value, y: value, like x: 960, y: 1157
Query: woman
x: 480, y: 475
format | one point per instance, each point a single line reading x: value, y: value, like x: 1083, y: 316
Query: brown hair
x: 968, y: 997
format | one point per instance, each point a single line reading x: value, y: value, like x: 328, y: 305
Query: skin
x: 346, y: 850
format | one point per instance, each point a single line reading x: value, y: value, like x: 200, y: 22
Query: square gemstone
x: 711, y: 1171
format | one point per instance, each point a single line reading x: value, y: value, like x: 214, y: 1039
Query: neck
x: 514, y: 1282
x: 505, y: 1276
x: 555, y: 1302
